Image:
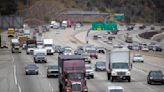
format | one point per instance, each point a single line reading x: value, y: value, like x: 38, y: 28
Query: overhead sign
x: 98, y: 26
x: 104, y: 26
x: 118, y: 16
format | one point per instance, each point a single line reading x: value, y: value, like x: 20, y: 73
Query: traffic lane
x: 29, y: 83
x: 7, y: 82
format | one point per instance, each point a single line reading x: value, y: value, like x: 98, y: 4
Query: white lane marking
x: 139, y: 70
x: 19, y: 88
x: 15, y: 77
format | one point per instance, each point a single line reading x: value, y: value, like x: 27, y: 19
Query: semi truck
x: 72, y: 73
x: 48, y: 45
x: 118, y: 64
x: 15, y: 46
x: 31, y: 45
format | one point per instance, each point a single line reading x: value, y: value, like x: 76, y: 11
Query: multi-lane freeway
x: 13, y: 78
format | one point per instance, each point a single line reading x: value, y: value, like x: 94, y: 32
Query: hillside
x: 134, y: 10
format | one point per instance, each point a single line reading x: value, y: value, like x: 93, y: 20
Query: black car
x: 100, y: 66
x: 31, y: 69
x: 101, y: 50
x: 52, y: 71
x: 155, y: 77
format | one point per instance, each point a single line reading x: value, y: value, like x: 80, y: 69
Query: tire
x: 26, y: 73
x: 89, y: 62
x: 60, y: 88
x: 108, y: 75
x: 92, y: 76
x: 112, y: 78
x: 48, y: 76
x: 129, y: 79
x: 148, y: 82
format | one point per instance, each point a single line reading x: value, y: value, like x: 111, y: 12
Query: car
x: 89, y: 71
x: 138, y: 58
x: 101, y: 50
x: 52, y: 71
x: 136, y: 47
x: 155, y: 76
x: 115, y: 89
x: 145, y: 48
x: 100, y: 66
x: 31, y: 69
x: 92, y: 52
x: 78, y: 52
x: 157, y: 48
x: 86, y: 57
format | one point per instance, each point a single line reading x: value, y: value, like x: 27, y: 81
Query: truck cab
x: 15, y: 46
x: 118, y: 64
x: 48, y: 45
x: 31, y: 46
x: 72, y: 73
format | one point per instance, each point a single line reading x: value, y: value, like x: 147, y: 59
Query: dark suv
x: 155, y: 77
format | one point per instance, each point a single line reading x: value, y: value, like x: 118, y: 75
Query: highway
x: 13, y: 78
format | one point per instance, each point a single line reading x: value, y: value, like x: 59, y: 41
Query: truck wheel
x: 89, y: 62
x: 92, y: 76
x: 108, y: 75
x: 129, y: 79
x: 60, y: 88
x: 112, y: 79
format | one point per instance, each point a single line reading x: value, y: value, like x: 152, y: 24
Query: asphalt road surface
x: 13, y: 78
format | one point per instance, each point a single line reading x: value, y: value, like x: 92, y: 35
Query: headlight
x: 151, y: 77
x: 36, y: 70
x: 128, y: 73
x: 113, y: 73
x: 27, y: 70
x: 85, y: 89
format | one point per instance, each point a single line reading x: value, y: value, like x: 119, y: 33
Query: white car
x: 89, y: 71
x: 115, y: 89
x: 138, y: 58
x: 145, y: 48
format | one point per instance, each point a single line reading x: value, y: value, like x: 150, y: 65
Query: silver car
x: 52, y: 71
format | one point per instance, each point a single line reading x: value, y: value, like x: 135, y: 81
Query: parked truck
x: 72, y: 73
x: 48, y: 45
x: 31, y: 44
x: 15, y: 46
x: 118, y: 64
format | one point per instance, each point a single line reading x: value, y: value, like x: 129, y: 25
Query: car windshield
x: 53, y: 67
x: 116, y: 90
x: 48, y: 45
x: 75, y: 76
x: 156, y: 73
x: 88, y: 67
x: 40, y: 54
x: 91, y: 51
x: 31, y: 66
x: 138, y: 55
x: 120, y: 65
x: 31, y: 45
x: 100, y: 63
